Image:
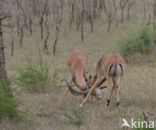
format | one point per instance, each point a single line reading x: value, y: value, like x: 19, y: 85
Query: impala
x: 77, y: 63
x: 109, y: 68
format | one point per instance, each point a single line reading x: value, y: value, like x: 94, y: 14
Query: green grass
x: 37, y: 78
x: 8, y: 105
x: 75, y: 116
x: 141, y: 42
x: 55, y: 79
x: 5, y: 89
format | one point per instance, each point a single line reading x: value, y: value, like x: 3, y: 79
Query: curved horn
x: 73, y: 91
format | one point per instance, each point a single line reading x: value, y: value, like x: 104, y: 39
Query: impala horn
x: 73, y: 91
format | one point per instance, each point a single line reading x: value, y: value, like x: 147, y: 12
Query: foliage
x: 5, y: 89
x: 37, y: 78
x: 75, y: 116
x: 141, y: 42
x: 55, y: 79
x: 8, y: 105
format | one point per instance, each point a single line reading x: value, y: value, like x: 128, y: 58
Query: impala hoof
x: 106, y: 105
x: 108, y: 102
x: 117, y: 104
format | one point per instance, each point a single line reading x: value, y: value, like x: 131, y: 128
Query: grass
x: 142, y: 42
x: 55, y: 80
x: 8, y: 105
x: 75, y: 116
x: 37, y: 78
x: 5, y: 89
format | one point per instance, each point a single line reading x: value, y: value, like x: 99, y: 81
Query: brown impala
x: 77, y: 63
x: 111, y: 68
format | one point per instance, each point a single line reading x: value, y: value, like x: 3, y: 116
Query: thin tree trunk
x: 77, y: 21
x: 128, y: 13
x: 56, y: 39
x: 41, y: 27
x: 82, y: 21
x: 122, y: 14
x: 94, y: 8
x: 21, y: 37
x: 109, y: 22
x: 154, y: 15
x: 13, y: 39
x: 12, y: 48
x: 45, y: 46
x: 3, y: 74
x: 72, y: 14
x: 30, y: 25
x: 91, y: 23
x: 145, y: 11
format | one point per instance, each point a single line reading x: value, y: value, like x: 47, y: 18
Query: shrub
x: 5, y: 89
x: 8, y: 105
x: 141, y: 42
x: 75, y: 116
x: 55, y: 79
x: 36, y: 78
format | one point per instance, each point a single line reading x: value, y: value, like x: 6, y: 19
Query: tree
x: 122, y: 6
x: 3, y: 74
x: 6, y: 10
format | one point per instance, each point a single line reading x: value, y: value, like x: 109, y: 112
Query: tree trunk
x: 3, y: 74
x: 82, y: 21
x: 122, y: 14
x: 56, y: 39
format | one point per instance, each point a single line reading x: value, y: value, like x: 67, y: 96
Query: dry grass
x: 42, y: 111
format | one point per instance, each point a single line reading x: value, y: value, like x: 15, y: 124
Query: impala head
x: 96, y: 92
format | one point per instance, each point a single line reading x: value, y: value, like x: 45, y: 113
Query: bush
x: 141, y: 42
x: 8, y: 105
x: 5, y: 89
x: 75, y: 116
x: 55, y: 79
x: 36, y: 78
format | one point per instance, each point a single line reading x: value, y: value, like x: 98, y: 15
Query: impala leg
x: 91, y: 90
x: 110, y: 91
x: 109, y: 96
x: 118, y: 96
x: 118, y: 92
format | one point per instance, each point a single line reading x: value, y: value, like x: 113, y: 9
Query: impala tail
x: 116, y: 72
